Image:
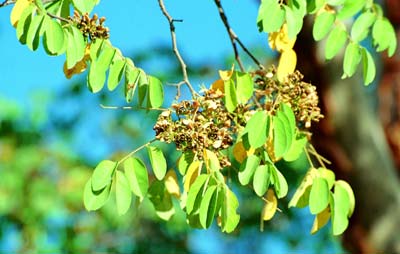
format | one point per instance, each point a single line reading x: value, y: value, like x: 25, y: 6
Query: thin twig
x: 58, y: 17
x: 234, y: 38
x: 131, y: 108
x: 176, y: 51
x: 7, y: 2
x: 135, y: 151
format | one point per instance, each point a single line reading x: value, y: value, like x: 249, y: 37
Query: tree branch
x: 176, y: 51
x: 7, y: 2
x: 234, y: 38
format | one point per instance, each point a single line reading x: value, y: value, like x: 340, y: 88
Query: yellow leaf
x: 270, y: 206
x: 171, y: 183
x: 287, y: 64
x: 79, y: 67
x: 226, y: 75
x: 280, y: 40
x: 17, y: 11
x: 218, y: 85
x: 320, y: 220
x: 239, y: 152
x: 191, y: 174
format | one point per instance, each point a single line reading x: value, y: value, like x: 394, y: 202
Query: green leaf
x: 284, y: 124
x: 208, y: 206
x: 94, y: 200
x: 340, y: 184
x: 115, y: 73
x: 132, y: 76
x: 314, y: 6
x: 360, y: 28
x: 33, y: 35
x: 230, y: 95
x: 322, y: 25
x: 75, y: 46
x: 301, y: 196
x: 339, y: 208
x: 230, y: 219
x: 143, y: 84
x: 85, y: 6
x: 257, y: 128
x: 336, y: 40
x: 24, y: 24
x: 99, y: 67
x: 384, y: 36
x: 261, y: 180
x: 247, y: 169
x: 136, y: 173
x: 194, y: 192
x: 350, y: 8
x: 244, y: 87
x: 211, y: 161
x: 335, y: 2
x: 123, y: 194
x: 296, y: 149
x: 53, y: 39
x: 328, y: 175
x: 184, y: 161
x: 352, y: 58
x: 294, y: 20
x: 102, y: 174
x: 280, y: 184
x: 319, y: 195
x: 161, y: 200
x: 270, y: 16
x: 369, y: 69
x: 95, y: 49
x: 156, y: 92
x: 158, y: 162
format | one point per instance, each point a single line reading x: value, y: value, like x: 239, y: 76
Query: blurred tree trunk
x: 353, y: 138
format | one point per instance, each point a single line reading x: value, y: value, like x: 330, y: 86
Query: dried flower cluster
x: 202, y: 123
x: 301, y: 96
x: 91, y: 28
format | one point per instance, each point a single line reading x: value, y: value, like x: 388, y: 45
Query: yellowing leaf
x: 320, y: 220
x: 218, y: 85
x: 191, y: 174
x: 239, y: 152
x: 280, y: 40
x: 226, y: 75
x: 17, y: 10
x: 270, y: 206
x: 287, y: 64
x: 171, y: 183
x: 79, y: 67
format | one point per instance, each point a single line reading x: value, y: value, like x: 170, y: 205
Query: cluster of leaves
x: 85, y: 44
x: 330, y: 16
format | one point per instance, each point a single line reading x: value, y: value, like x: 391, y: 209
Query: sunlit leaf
x: 314, y: 6
x: 230, y: 219
x: 361, y: 26
x: 301, y: 196
x: 336, y: 40
x: 321, y: 220
x: 19, y: 7
x: 123, y: 194
x: 294, y: 21
x: 172, y: 184
x: 218, y: 85
x: 257, y: 128
x: 53, y: 39
x: 211, y: 160
x: 156, y: 92
x: 339, y: 209
x: 270, y: 206
x: 161, y: 200
x: 261, y: 180
x: 85, y: 6
x: 136, y: 173
x: 340, y: 184
x: 33, y: 35
x: 184, y: 161
x: 280, y: 183
x: 369, y: 69
x: 350, y: 8
x: 194, y: 192
x: 97, y: 73
x: 328, y: 175
x: 94, y: 200
x: 296, y: 149
x: 319, y: 195
x: 192, y: 172
x: 115, y: 74
x: 230, y: 95
x: 102, y: 174
x: 270, y: 16
x: 322, y: 24
x: 352, y: 58
x: 384, y: 36
x: 248, y: 168
x: 208, y: 206
x: 75, y: 46
x: 132, y: 77
x: 158, y: 162
x: 287, y: 64
x: 280, y: 40
x: 244, y: 87
x: 24, y: 23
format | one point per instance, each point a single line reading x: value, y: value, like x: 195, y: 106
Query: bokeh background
x: 53, y: 132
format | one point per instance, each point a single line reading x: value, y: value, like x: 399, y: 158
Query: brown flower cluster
x: 91, y: 28
x: 203, y: 123
x: 301, y: 96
